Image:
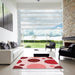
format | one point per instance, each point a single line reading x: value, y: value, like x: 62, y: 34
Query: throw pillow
x: 0, y: 45
x: 3, y: 45
x: 13, y: 44
x: 9, y: 46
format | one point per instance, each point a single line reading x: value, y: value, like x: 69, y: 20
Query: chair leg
x: 55, y: 49
x: 50, y: 49
x: 59, y: 57
x: 45, y: 48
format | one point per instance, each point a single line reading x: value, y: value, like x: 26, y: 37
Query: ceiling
x: 42, y: 4
x: 29, y: 1
x: 34, y: 4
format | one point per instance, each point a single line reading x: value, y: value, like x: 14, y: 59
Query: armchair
x: 51, y: 45
x: 68, y: 52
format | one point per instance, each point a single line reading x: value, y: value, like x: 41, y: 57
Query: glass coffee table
x: 40, y: 53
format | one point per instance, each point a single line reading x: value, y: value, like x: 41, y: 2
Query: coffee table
x: 41, y: 53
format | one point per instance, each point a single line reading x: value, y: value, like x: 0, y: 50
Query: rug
x: 37, y: 63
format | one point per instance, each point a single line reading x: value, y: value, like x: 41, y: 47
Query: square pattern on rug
x: 37, y: 63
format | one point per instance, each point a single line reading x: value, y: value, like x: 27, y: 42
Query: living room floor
x: 67, y: 63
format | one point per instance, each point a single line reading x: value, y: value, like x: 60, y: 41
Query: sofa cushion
x: 64, y: 52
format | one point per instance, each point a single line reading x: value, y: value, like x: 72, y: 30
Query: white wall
x: 6, y: 35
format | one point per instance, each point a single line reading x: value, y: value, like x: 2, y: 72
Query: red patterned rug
x: 37, y: 63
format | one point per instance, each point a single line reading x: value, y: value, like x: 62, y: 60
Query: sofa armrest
x: 20, y: 45
x: 63, y: 47
x: 6, y: 57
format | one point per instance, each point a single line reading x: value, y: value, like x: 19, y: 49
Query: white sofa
x: 9, y: 55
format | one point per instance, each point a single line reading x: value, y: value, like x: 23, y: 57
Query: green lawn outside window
x: 40, y: 44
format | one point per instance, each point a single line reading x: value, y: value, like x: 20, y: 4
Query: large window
x: 40, y: 24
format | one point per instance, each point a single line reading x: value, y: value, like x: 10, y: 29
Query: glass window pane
x: 41, y: 23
